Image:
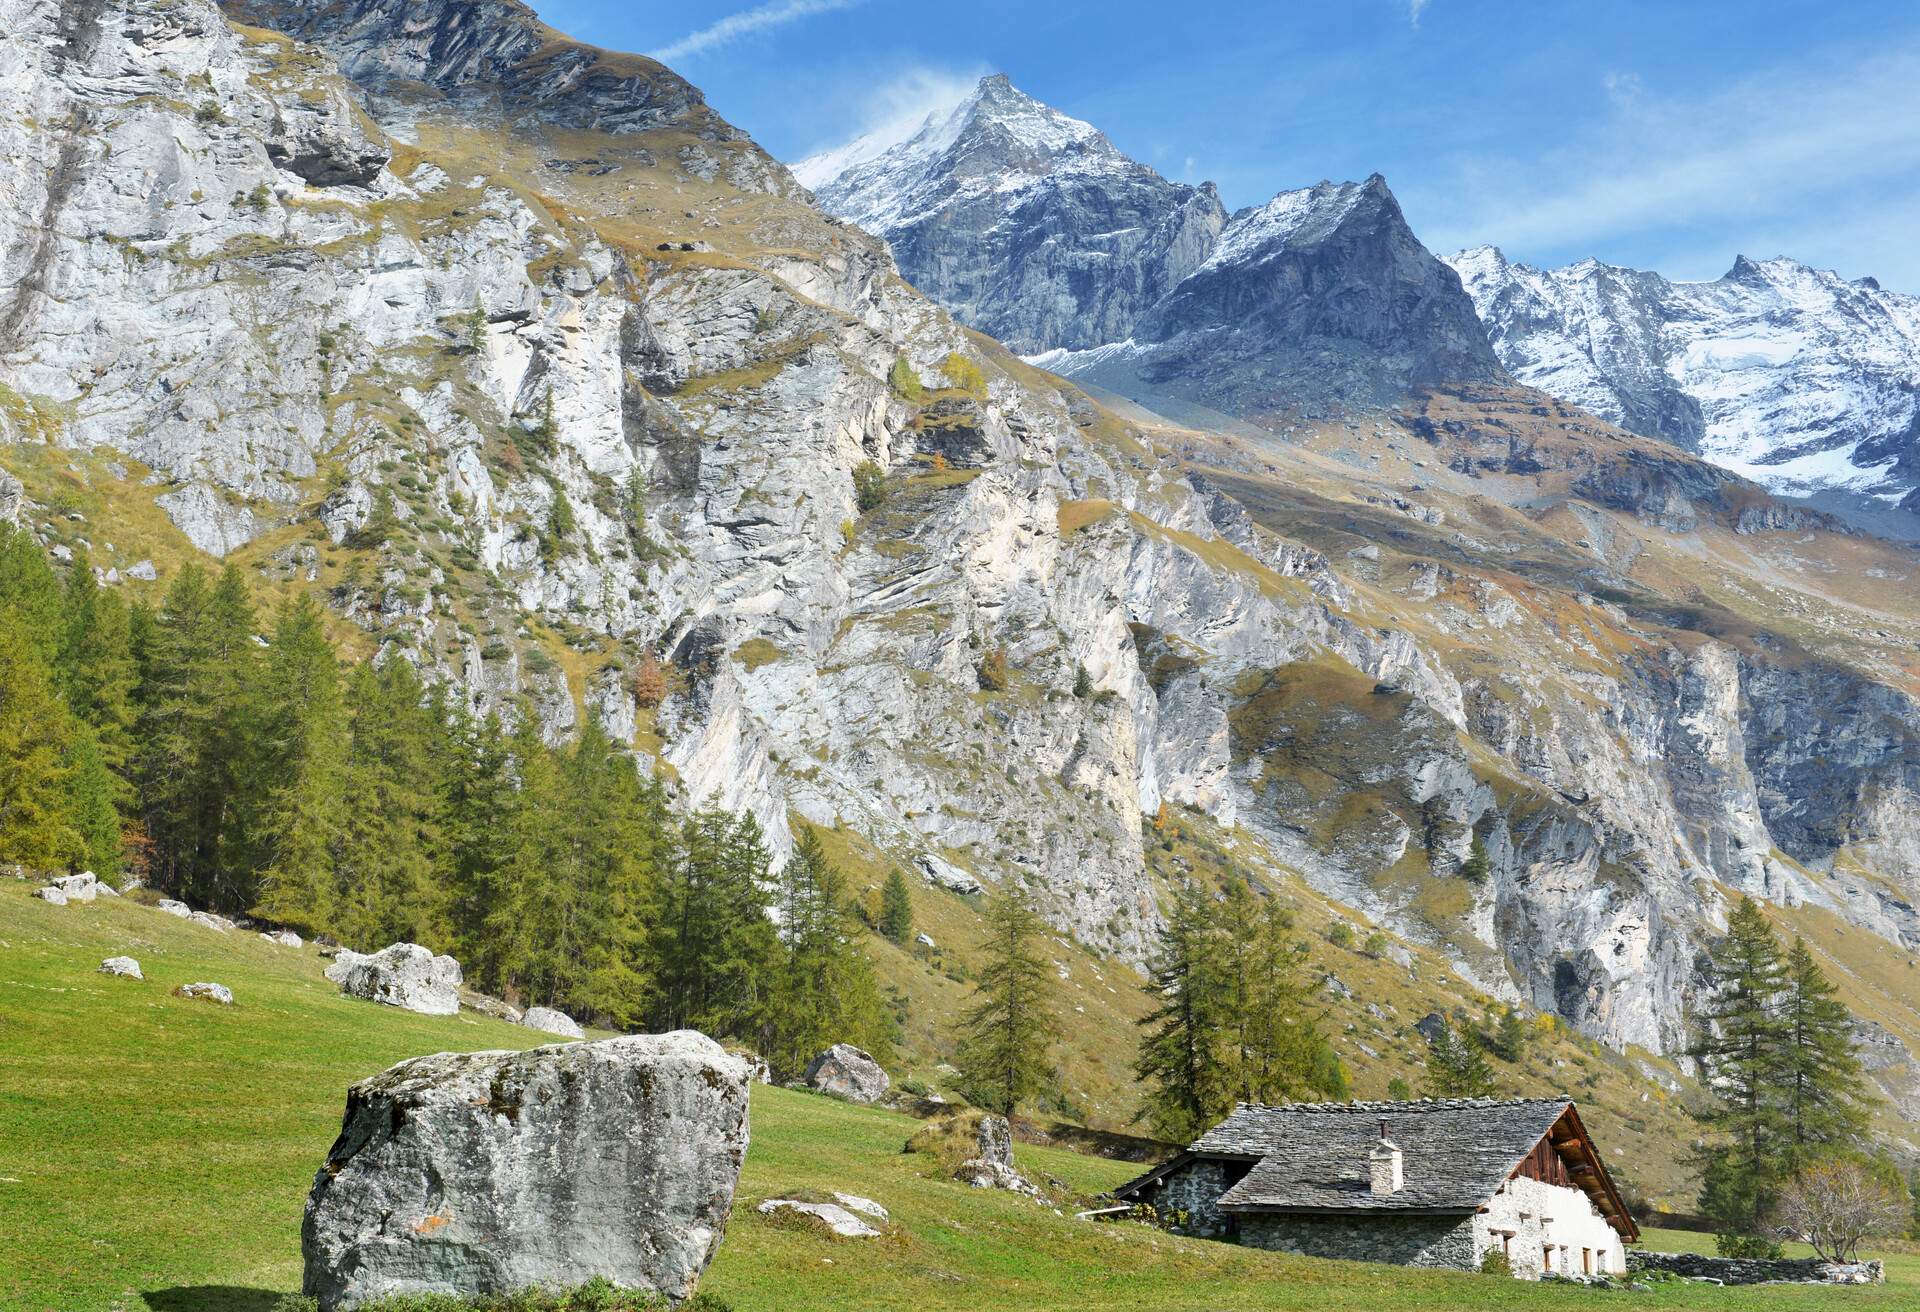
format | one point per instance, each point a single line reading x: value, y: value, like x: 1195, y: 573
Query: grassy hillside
x: 155, y: 1153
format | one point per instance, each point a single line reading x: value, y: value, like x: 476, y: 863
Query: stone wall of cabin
x: 1194, y: 1189
x: 1443, y: 1241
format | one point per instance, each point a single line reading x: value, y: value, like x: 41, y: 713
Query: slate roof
x: 1313, y: 1156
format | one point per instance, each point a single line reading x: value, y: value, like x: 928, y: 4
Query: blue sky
x: 1669, y: 136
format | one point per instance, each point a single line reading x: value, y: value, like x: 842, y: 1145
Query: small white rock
x: 51, y: 894
x: 865, y: 1206
x: 835, y: 1217
x: 219, y: 993
x: 923, y: 940
x: 174, y: 908
x: 126, y: 966
x: 285, y: 938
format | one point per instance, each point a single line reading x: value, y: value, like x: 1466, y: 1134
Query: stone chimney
x: 1386, y: 1163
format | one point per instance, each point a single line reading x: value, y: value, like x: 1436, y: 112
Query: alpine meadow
x: 774, y: 674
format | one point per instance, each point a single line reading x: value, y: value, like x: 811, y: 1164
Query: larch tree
x: 1005, y: 1048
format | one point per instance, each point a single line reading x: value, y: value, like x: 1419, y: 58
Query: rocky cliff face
x: 1792, y: 376
x: 1024, y: 223
x: 533, y: 377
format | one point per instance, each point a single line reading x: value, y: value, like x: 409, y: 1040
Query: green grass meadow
x: 155, y: 1154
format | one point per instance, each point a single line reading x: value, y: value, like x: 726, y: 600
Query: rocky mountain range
x: 1799, y: 379
x: 1030, y: 226
x: 1026, y: 224
x: 602, y: 373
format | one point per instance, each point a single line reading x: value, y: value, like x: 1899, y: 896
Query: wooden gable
x: 1566, y: 1156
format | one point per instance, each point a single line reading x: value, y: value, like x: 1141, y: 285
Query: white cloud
x: 887, y: 115
x: 746, y: 23
x: 1415, y: 8
x: 1831, y: 145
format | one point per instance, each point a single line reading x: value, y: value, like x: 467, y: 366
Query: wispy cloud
x: 1749, y: 162
x: 746, y: 23
x: 887, y: 114
x: 1415, y: 8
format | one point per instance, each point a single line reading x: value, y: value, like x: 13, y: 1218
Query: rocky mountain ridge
x: 1031, y: 226
x: 1024, y: 223
x: 1794, y: 377
x: 531, y: 401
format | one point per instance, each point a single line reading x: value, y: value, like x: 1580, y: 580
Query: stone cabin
x: 1438, y: 1182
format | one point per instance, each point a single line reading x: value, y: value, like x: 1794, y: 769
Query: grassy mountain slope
x: 155, y: 1154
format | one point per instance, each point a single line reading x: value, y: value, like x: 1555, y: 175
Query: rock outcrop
x: 847, y: 1072
x: 553, y: 1021
x: 404, y: 975
x: 836, y: 1219
x: 481, y: 1173
x: 206, y: 992
x: 991, y: 1167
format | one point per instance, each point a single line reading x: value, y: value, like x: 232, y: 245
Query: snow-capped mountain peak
x: 996, y: 139
x: 1793, y: 376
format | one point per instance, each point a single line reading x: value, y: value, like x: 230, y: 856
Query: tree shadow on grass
x: 212, y: 1298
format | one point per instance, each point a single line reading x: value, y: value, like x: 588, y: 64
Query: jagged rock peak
x: 498, y: 48
x: 1789, y: 375
x: 1302, y: 217
x: 1024, y: 222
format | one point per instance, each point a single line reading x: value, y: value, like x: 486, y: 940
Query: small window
x: 1546, y: 1257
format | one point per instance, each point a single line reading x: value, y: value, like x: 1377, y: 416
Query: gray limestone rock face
x: 206, y: 992
x: 126, y: 967
x: 11, y: 497
x: 403, y: 975
x: 553, y: 1021
x: 487, y: 1172
x: 846, y: 1072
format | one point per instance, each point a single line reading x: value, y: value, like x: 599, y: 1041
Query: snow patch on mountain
x: 1795, y: 377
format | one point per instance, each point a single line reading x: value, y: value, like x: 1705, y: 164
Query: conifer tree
x: 1277, y: 1042
x: 1004, y: 1052
x: 896, y: 908
x: 36, y: 826
x: 1457, y: 1065
x: 710, y: 945
x: 1823, y: 1095
x: 1739, y: 1053
x: 825, y: 992
x: 91, y: 803
x: 1183, y: 1058
x: 300, y: 772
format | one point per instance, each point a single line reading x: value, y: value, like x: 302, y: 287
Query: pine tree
x: 710, y: 945
x: 1004, y: 1051
x: 1457, y: 1065
x: 896, y: 908
x: 1478, y: 865
x: 1823, y: 1094
x: 91, y: 803
x: 1184, y: 1059
x: 29, y: 588
x: 825, y: 992
x: 1739, y: 1056
x: 1277, y: 1040
x: 36, y: 820
x: 387, y: 889
x: 300, y: 773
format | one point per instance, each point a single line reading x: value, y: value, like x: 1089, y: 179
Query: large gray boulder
x: 485, y: 1172
x: 846, y: 1072
x: 553, y: 1021
x: 403, y: 975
